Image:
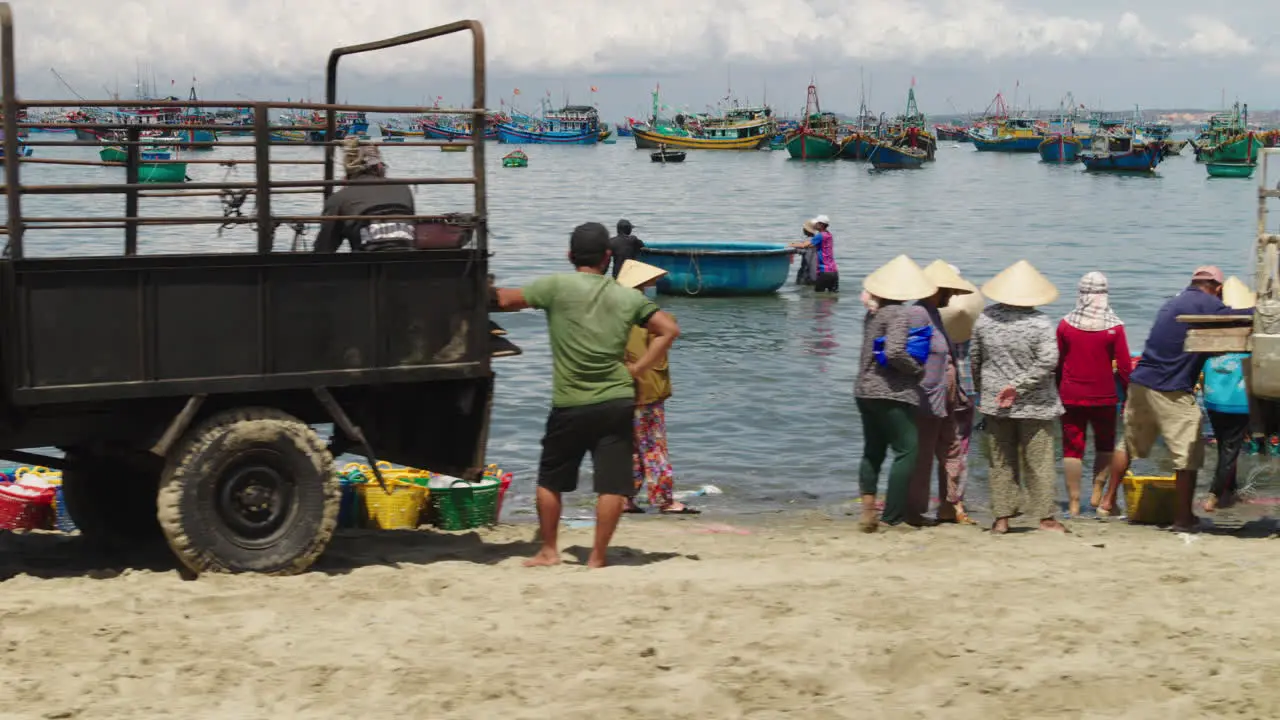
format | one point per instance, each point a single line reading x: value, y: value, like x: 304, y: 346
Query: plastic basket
x: 25, y: 508
x: 350, y: 507
x: 1150, y: 500
x: 398, y: 508
x: 463, y: 506
x: 61, y: 518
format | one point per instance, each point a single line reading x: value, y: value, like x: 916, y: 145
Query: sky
x: 1108, y: 53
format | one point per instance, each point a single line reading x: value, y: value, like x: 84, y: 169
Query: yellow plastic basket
x: 1150, y: 500
x: 396, y: 509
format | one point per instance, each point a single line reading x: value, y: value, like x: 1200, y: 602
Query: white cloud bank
x: 214, y: 39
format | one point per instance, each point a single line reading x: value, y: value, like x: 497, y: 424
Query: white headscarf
x: 1093, y: 312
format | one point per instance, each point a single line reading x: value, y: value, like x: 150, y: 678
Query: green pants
x: 888, y: 424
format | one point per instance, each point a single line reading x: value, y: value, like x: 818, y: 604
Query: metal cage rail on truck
x: 194, y: 378
x: 1265, y: 341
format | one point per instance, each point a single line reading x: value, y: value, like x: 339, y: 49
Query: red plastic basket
x: 25, y: 508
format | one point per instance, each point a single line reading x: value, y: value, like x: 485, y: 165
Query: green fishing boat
x: 515, y: 159
x: 148, y: 172
x: 816, y: 139
x: 1230, y: 169
x: 1240, y: 149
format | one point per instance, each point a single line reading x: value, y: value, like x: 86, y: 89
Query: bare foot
x: 1210, y: 504
x: 1000, y: 526
x: 1074, y: 508
x: 1103, y: 511
x: 597, y: 562
x: 869, y: 522
x: 1096, y: 498
x: 545, y: 558
x: 1051, y: 525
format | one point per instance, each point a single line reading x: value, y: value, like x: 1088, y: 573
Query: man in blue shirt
x: 1162, y: 401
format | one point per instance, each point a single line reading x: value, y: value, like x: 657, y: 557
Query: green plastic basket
x: 464, y: 507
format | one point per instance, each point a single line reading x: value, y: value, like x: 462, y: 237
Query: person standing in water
x: 808, y: 271
x: 1226, y: 402
x: 624, y: 246
x: 826, y: 274
x: 589, y: 319
x: 653, y: 389
x: 1093, y: 354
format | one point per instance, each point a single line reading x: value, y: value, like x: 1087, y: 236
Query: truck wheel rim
x: 254, y: 500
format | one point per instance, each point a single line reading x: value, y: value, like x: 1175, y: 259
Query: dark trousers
x: 888, y: 424
x: 827, y: 282
x: 1230, y: 430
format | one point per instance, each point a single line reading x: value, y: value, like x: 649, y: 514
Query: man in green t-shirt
x: 589, y: 317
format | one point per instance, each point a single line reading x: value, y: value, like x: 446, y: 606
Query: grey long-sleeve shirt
x: 900, y: 379
x: 1015, y: 346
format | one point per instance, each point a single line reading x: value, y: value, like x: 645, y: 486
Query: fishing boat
x: 910, y: 130
x: 1012, y: 135
x: 816, y: 138
x: 444, y: 127
x: 739, y: 128
x: 885, y: 155
x: 1122, y: 154
x: 605, y: 134
x: 398, y: 127
x: 1061, y: 149
x: 667, y: 156
x: 289, y: 136
x: 1228, y: 139
x: 719, y: 268
x: 23, y: 151
x: 151, y: 169
x: 623, y: 129
x: 570, y: 125
x: 1230, y: 169
x: 952, y: 132
x: 453, y: 148
x: 515, y: 159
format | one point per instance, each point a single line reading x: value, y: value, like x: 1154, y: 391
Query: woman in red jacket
x: 1092, y: 353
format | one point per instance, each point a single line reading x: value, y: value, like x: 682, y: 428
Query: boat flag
x: 516, y: 91
x: 913, y: 81
x: 594, y: 88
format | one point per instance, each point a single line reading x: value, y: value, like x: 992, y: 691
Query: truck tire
x: 111, y: 501
x: 249, y: 490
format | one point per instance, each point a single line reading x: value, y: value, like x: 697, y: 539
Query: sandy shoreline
x: 787, y: 615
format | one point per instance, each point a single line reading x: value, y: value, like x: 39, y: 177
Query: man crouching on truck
x: 589, y: 317
x: 363, y: 162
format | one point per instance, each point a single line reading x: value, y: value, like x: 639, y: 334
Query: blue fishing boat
x: 23, y: 151
x: 1061, y: 149
x: 887, y: 156
x: 719, y: 268
x: 624, y: 129
x: 571, y: 125
x: 1122, y: 155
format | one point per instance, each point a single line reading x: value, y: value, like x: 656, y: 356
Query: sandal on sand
x: 634, y: 509
x: 686, y: 510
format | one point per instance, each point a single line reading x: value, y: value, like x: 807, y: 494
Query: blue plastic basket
x: 62, y: 519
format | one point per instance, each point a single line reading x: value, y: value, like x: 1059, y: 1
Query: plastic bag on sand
x: 700, y: 492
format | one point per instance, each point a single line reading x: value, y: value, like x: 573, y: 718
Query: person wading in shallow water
x: 624, y: 246
x: 826, y: 275
x: 364, y: 163
x: 589, y: 319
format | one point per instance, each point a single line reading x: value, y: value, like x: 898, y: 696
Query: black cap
x: 588, y: 244
x: 624, y: 226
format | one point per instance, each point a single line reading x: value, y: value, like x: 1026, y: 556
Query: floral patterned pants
x: 652, y: 466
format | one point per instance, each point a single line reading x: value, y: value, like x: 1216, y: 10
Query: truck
x: 1258, y: 334
x: 184, y: 390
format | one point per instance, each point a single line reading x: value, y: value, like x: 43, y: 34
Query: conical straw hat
x: 809, y: 227
x: 635, y: 273
x: 944, y: 276
x: 899, y: 279
x: 1020, y: 285
x: 960, y: 315
x: 1238, y: 295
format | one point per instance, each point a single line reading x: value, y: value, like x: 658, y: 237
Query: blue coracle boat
x: 719, y: 268
x: 1061, y: 149
x: 1134, y: 158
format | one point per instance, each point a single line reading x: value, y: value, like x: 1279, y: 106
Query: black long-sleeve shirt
x: 370, y: 200
x: 624, y: 248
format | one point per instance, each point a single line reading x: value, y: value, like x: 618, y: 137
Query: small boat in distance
x: 515, y: 159
x: 453, y: 148
x: 1122, y: 154
x: 664, y: 155
x: 816, y: 138
x: 570, y: 125
x: 887, y: 156
x: 1230, y: 169
x: 1061, y: 149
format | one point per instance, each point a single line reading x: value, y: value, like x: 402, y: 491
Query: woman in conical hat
x: 651, y: 460
x: 1226, y: 401
x: 945, y: 417
x: 888, y: 388
x: 1015, y: 357
x: 1093, y: 360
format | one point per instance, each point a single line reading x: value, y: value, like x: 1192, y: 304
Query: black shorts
x: 605, y: 431
x: 827, y: 282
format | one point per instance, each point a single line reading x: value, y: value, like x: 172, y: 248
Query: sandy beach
x: 787, y: 615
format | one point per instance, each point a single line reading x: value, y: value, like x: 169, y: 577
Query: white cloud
x: 93, y: 40
x: 1214, y: 38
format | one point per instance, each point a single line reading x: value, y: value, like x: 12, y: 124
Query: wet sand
x: 788, y: 615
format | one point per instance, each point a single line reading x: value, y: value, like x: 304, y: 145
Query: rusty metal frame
x: 263, y: 187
